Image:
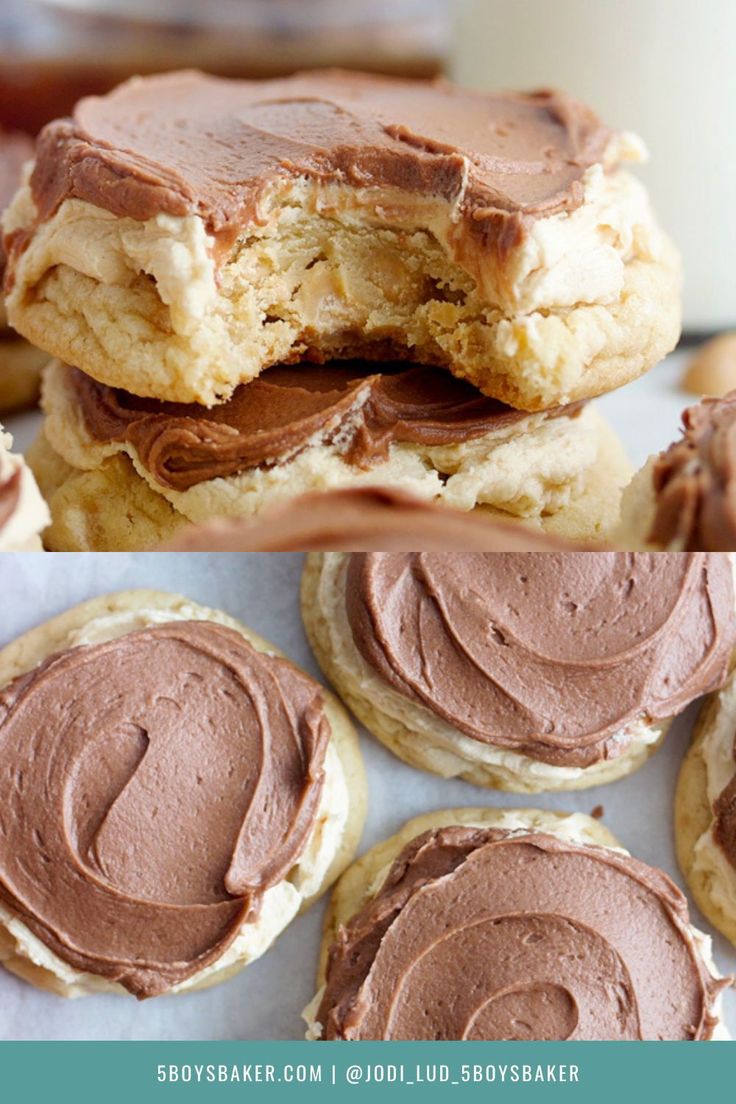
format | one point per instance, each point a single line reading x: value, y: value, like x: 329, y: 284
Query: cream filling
x: 451, y: 749
x: 30, y: 516
x: 565, y: 259
x: 528, y: 469
x: 280, y: 904
x: 576, y: 828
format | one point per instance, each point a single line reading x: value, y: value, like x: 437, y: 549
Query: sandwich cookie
x: 514, y: 924
x: 192, y: 792
x: 705, y: 811
x: 185, y: 232
x: 524, y: 671
x: 20, y: 363
x: 317, y: 427
x: 685, y: 498
x: 23, y: 512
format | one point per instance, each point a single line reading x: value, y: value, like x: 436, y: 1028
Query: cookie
x: 314, y: 428
x: 173, y: 864
x: 524, y: 672
x: 107, y: 510
x: 684, y: 499
x: 705, y: 823
x: 514, y: 924
x: 361, y: 519
x: 494, y: 235
x: 23, y: 512
x: 712, y: 368
x: 20, y: 363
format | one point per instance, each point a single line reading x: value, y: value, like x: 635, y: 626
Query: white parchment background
x: 265, y: 1000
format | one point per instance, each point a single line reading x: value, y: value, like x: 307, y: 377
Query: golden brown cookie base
x: 693, y: 817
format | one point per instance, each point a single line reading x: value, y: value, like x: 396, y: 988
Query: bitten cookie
x: 20, y: 363
x: 514, y: 924
x: 705, y: 811
x: 23, y: 512
x: 140, y: 848
x: 524, y: 671
x: 333, y: 215
x: 314, y: 428
x: 685, y: 498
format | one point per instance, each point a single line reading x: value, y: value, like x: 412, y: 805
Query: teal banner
x: 132, y: 1073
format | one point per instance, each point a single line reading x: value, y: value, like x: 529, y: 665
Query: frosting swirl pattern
x: 360, y: 407
x: 486, y: 934
x: 694, y: 481
x: 154, y: 788
x: 145, y: 149
x: 549, y: 654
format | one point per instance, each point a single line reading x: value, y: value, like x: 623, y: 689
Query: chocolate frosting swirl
x: 724, y: 816
x: 153, y: 788
x: 549, y: 654
x: 486, y: 934
x: 363, y: 407
x: 360, y: 519
x: 695, y: 481
x: 185, y: 143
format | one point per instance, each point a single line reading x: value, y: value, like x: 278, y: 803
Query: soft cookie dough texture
x: 511, y: 706
x: 707, y: 775
x: 185, y: 232
x: 331, y: 842
x: 561, y: 473
x: 552, y: 1006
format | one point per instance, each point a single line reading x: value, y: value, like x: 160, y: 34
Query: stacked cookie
x: 20, y: 363
x: 260, y: 289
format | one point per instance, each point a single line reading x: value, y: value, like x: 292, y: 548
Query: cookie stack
x: 261, y: 289
x: 20, y: 363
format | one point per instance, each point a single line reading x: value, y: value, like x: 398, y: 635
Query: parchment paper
x: 265, y: 1000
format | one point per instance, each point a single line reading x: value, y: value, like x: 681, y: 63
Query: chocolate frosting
x: 9, y: 496
x: 354, y: 404
x: 548, y: 654
x: 486, y: 934
x: 695, y: 481
x: 186, y: 143
x: 153, y: 788
x: 361, y: 519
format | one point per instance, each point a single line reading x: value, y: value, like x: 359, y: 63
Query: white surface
x: 266, y: 999
x: 662, y: 68
x: 645, y: 414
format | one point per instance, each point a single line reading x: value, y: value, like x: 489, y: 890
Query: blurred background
x: 664, y: 68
